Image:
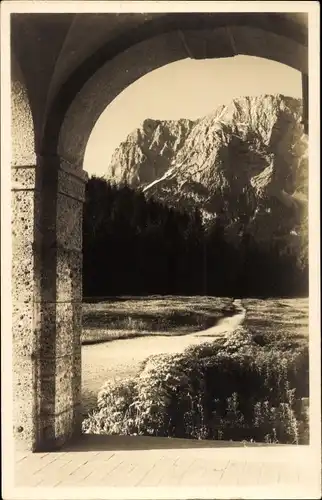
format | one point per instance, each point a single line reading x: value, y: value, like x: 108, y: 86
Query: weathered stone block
x: 64, y: 423
x: 61, y: 276
x: 23, y: 284
x: 71, y: 185
x: 25, y: 236
x: 22, y: 127
x: 23, y: 178
x: 57, y: 328
x: 24, y: 421
x: 69, y: 222
x: 69, y: 275
x: 24, y: 375
x: 57, y: 388
x: 57, y: 428
x: 23, y: 211
x: 22, y: 328
x: 24, y: 399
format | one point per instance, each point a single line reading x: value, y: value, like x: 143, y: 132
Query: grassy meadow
x: 129, y: 317
x: 278, y: 322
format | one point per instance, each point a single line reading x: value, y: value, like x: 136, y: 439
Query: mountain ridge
x: 246, y: 160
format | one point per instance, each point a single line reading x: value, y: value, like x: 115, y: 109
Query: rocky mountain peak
x: 246, y: 158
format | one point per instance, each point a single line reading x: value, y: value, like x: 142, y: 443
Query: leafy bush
x: 235, y: 389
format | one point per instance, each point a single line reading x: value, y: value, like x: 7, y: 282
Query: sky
x: 184, y: 89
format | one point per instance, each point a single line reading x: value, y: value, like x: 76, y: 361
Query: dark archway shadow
x: 95, y: 442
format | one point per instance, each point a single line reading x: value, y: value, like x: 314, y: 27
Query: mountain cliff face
x: 246, y: 163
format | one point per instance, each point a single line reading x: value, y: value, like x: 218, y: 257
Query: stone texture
x: 56, y: 391
x: 71, y: 182
x: 58, y: 327
x: 24, y: 421
x: 47, y: 295
x: 23, y: 178
x: 22, y: 324
x: 69, y: 275
x: 59, y: 316
x: 22, y: 127
x: 55, y: 429
x: 25, y: 214
x: 69, y: 222
x: 25, y: 218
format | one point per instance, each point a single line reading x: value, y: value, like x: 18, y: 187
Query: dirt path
x: 122, y: 358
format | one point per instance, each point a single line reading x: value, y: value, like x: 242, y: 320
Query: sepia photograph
x: 160, y: 258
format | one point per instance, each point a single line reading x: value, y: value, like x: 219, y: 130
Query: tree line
x: 138, y: 246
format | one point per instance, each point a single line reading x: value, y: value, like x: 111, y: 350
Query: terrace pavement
x: 149, y: 467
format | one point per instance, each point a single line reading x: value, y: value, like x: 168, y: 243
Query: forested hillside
x: 134, y: 245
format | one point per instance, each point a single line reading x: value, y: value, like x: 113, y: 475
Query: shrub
x: 233, y: 389
x: 114, y: 409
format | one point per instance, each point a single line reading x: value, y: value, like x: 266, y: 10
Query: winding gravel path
x: 122, y: 358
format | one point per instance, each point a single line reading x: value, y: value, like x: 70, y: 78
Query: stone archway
x: 110, y: 70
x: 121, y: 71
x: 49, y: 182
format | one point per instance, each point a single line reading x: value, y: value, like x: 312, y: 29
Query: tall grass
x: 135, y: 317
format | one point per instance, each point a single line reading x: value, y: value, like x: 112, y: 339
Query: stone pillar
x: 25, y: 267
x: 305, y: 99
x: 47, y: 294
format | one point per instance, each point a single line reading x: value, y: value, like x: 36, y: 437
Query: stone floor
x: 163, y: 468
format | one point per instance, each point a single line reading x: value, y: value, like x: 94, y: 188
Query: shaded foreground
x: 248, y: 385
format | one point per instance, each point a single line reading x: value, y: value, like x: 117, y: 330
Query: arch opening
x: 190, y: 89
x: 202, y: 287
